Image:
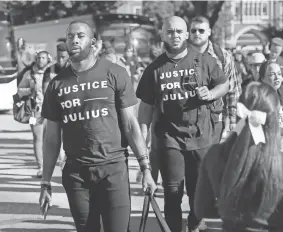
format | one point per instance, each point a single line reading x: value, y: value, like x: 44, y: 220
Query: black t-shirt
x: 172, y: 88
x: 50, y: 72
x: 87, y: 104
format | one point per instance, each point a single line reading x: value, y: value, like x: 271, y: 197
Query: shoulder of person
x: 64, y: 74
x: 160, y: 60
x: 112, y: 67
x: 209, y: 60
x: 280, y: 60
x: 48, y: 70
x: 28, y: 72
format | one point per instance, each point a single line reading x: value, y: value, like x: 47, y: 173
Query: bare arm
x: 137, y: 143
x: 51, y: 148
x: 24, y: 88
x: 145, y: 118
x: 133, y: 133
x: 220, y: 90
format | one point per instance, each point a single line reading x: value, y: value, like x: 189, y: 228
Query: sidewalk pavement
x: 19, y: 189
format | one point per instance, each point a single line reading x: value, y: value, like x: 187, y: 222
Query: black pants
x: 98, y: 191
x: 176, y: 168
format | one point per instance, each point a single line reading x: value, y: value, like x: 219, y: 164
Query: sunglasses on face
x: 201, y: 31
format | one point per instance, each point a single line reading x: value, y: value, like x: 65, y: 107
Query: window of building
x: 258, y: 8
x: 137, y: 10
x: 251, y: 8
x: 238, y: 11
x: 264, y: 9
x: 246, y: 8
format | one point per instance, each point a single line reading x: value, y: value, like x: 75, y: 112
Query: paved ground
x: 19, y: 189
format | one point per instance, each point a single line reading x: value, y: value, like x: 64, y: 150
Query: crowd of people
x: 207, y: 119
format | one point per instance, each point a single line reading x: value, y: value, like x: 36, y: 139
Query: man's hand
x: 204, y: 93
x: 45, y: 198
x: 148, y: 182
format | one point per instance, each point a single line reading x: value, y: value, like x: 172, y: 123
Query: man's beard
x: 77, y: 57
x: 40, y: 67
x: 175, y: 50
x: 198, y: 44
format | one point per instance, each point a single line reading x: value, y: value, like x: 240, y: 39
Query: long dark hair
x: 253, y: 176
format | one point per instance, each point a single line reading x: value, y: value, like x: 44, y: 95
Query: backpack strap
x: 32, y: 75
x: 219, y: 53
x: 198, y: 69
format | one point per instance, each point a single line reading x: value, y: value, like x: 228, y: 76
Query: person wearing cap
x: 255, y: 61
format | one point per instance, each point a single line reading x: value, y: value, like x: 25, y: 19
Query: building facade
x: 130, y: 7
x: 250, y: 17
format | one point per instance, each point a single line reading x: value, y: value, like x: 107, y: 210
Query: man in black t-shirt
x: 62, y: 62
x: 92, y: 101
x: 185, y: 88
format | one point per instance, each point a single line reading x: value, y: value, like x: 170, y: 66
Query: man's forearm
x: 220, y: 90
x: 51, y: 152
x: 137, y: 143
x: 144, y: 130
x: 145, y: 118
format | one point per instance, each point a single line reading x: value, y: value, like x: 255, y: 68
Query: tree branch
x: 215, y: 13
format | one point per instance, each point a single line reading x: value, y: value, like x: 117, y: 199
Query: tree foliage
x: 159, y: 10
x: 23, y: 12
x: 272, y: 31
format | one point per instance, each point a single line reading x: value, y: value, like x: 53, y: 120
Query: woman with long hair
x: 273, y: 77
x: 241, y: 180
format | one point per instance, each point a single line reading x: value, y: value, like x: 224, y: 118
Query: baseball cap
x: 256, y: 58
x: 278, y: 41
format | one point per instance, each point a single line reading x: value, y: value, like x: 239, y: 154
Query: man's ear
x: 187, y: 35
x: 209, y: 32
x: 93, y: 42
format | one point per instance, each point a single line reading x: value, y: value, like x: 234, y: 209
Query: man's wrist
x: 145, y: 167
x: 212, y: 96
x: 46, y: 185
x: 144, y: 163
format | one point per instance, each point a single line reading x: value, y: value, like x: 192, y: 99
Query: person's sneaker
x: 39, y: 173
x: 202, y: 225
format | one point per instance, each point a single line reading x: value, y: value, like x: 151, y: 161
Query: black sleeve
x: 46, y: 76
x: 146, y: 87
x: 51, y: 108
x: 125, y: 90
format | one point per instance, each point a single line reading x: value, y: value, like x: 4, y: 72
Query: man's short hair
x: 200, y: 19
x: 93, y: 32
x: 277, y: 41
x: 61, y: 47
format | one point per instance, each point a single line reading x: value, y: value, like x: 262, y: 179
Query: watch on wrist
x: 45, y: 184
x: 145, y: 166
